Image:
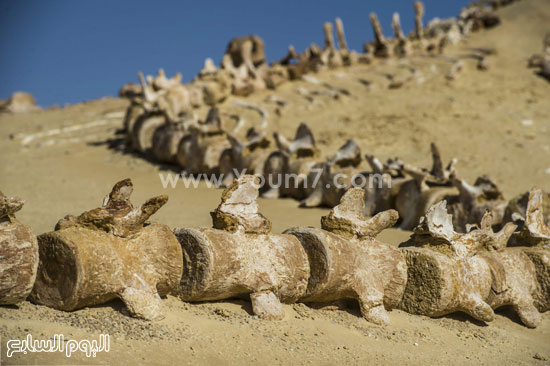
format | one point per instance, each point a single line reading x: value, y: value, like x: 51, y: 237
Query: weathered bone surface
x: 418, y: 15
x: 109, y: 252
x: 336, y: 177
x: 403, y: 47
x: 534, y: 239
x: 469, y: 206
x: 144, y: 129
x: 201, y: 149
x: 542, y: 61
x: 329, y: 39
x: 239, y: 257
x: 517, y: 207
x: 166, y: 141
x: 342, y: 44
x: 425, y: 189
x: 381, y: 45
x: 288, y: 171
x: 473, y: 273
x: 18, y: 253
x: 348, y: 263
x: 248, y: 157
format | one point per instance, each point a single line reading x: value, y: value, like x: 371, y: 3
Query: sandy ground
x: 496, y: 122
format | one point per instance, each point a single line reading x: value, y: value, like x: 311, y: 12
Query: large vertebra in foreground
x: 347, y: 262
x: 106, y: 253
x: 240, y: 257
x: 473, y: 273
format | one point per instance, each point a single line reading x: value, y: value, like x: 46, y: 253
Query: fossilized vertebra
x: 336, y: 177
x: 426, y: 188
x: 109, y: 253
x: 18, y: 253
x: 348, y: 263
x: 240, y: 257
x: 469, y: 206
x: 473, y: 272
x: 534, y: 239
x: 287, y: 171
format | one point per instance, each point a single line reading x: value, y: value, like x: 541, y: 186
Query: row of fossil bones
x: 113, y: 252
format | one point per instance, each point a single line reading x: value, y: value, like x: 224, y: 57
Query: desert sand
x: 496, y: 122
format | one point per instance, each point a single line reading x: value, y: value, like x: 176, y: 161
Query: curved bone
x: 263, y: 113
x: 107, y: 253
x: 348, y: 154
x: 302, y: 145
x: 473, y: 201
x: 166, y: 140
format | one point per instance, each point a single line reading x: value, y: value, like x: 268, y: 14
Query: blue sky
x: 69, y: 51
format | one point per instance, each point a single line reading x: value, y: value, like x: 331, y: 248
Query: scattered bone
x: 109, y: 253
x: 378, y: 275
x: 483, y: 63
x: 263, y: 113
x: 474, y: 272
x: 18, y: 253
x: 27, y: 139
x: 275, y: 99
x: 542, y: 61
x: 19, y: 102
x: 239, y: 257
x: 312, y: 80
x: 455, y: 70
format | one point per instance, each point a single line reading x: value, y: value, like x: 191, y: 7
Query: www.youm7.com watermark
x: 313, y: 179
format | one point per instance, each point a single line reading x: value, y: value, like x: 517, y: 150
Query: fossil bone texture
x: 109, y: 252
x: 18, y: 253
x: 473, y: 272
x: 240, y: 257
x: 426, y: 188
x: 533, y: 237
x: 347, y: 262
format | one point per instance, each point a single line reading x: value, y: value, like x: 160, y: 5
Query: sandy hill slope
x: 496, y: 122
